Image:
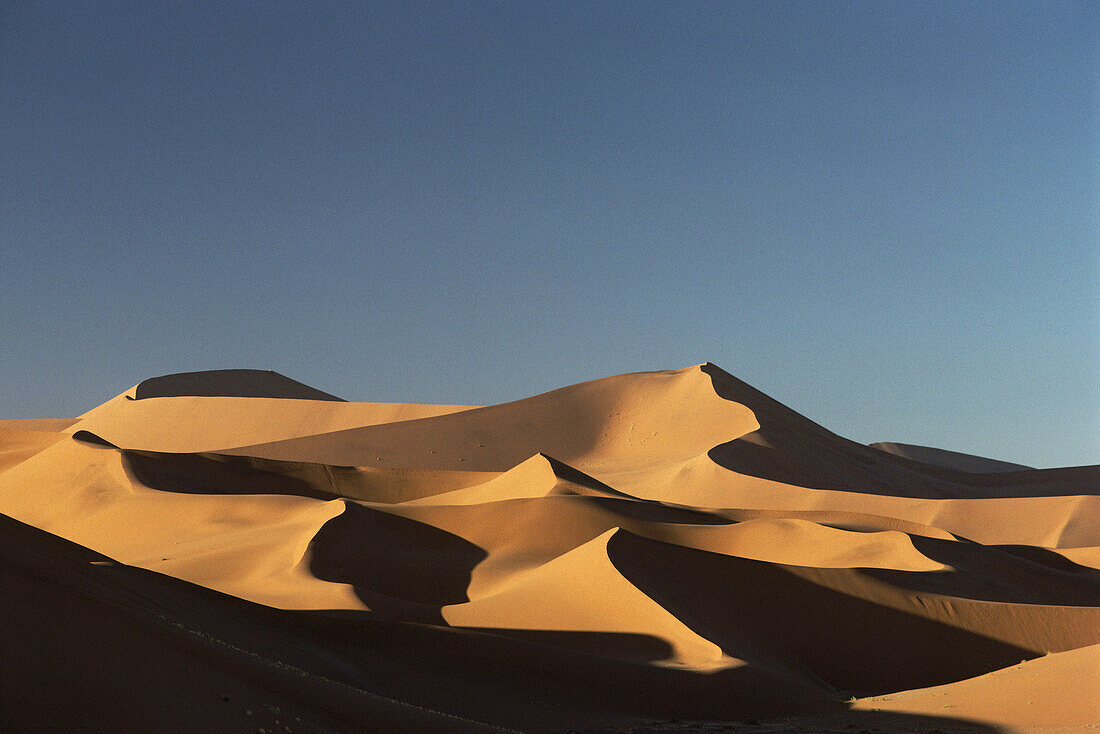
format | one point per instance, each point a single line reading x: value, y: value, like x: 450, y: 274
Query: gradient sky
x: 884, y: 215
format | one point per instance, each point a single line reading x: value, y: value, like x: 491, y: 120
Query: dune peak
x: 240, y: 383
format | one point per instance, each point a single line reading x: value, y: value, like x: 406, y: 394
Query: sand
x: 663, y: 551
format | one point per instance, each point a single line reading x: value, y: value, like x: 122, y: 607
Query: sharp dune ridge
x: 234, y: 550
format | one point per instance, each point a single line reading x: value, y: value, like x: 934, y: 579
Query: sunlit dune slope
x: 620, y: 553
x: 633, y: 419
x: 212, y: 411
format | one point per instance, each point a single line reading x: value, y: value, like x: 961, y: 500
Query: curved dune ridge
x: 234, y: 550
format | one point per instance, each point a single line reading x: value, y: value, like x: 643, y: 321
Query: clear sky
x: 885, y: 215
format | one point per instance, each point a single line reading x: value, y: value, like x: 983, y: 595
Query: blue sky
x: 885, y: 215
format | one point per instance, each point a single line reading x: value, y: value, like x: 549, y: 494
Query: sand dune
x: 633, y: 419
x: 234, y: 550
x: 949, y: 459
x: 1017, y: 698
x: 236, y: 406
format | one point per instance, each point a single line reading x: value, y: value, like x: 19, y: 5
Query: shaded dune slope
x: 948, y: 459
x: 634, y: 549
x: 228, y: 383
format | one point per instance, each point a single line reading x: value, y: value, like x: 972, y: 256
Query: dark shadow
x: 1006, y: 574
x: 658, y: 512
x: 1057, y: 481
x: 540, y: 681
x: 228, y: 474
x: 850, y: 722
x: 630, y: 506
x: 101, y: 646
x: 214, y: 473
x: 622, y: 646
x: 579, y: 478
x: 955, y: 460
x: 537, y: 680
x: 787, y: 424
x: 764, y: 612
x: 778, y: 453
x: 792, y: 449
x: 774, y: 453
x: 93, y: 645
x: 1046, y: 558
x: 91, y: 438
x: 399, y: 567
x: 229, y: 383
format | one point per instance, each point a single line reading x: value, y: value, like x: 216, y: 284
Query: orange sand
x: 234, y: 551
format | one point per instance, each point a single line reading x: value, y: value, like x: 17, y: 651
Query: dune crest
x: 228, y: 384
x: 948, y: 459
x: 637, y: 551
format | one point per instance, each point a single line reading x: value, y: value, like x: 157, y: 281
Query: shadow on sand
x: 229, y: 383
x: 792, y: 449
x: 97, y: 645
x: 400, y: 568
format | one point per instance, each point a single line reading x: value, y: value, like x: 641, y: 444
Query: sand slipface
x: 236, y: 551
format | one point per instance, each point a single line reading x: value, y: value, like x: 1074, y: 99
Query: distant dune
x: 949, y: 459
x: 235, y: 551
x: 228, y: 384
